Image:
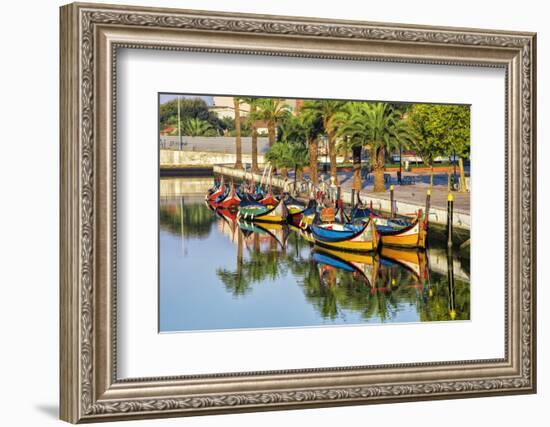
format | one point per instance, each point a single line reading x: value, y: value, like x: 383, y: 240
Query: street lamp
x: 400, y: 163
x: 454, y: 163
x: 179, y: 123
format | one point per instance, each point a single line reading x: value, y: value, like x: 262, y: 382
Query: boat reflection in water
x: 238, y: 274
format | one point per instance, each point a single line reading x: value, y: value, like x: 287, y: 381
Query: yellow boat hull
x: 275, y: 219
x: 307, y: 220
x: 366, y: 241
x: 414, y: 237
x: 276, y: 215
x: 351, y: 246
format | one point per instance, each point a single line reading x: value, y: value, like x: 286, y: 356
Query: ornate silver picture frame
x: 90, y: 36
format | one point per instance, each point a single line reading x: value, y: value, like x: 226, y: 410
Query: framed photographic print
x: 267, y: 212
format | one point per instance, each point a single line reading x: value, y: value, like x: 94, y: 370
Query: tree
x: 190, y: 108
x: 280, y: 156
x: 238, y: 142
x: 272, y: 110
x: 353, y: 137
x: 251, y: 121
x: 302, y: 132
x: 313, y: 128
x: 300, y: 157
x: 380, y: 128
x: 196, y: 127
x: 441, y: 130
x: 425, y: 142
x: 457, y: 136
x: 327, y: 109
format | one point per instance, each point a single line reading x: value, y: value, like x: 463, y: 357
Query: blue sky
x: 165, y: 97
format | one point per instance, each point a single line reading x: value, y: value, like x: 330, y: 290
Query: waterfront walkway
x: 408, y: 198
x: 412, y: 193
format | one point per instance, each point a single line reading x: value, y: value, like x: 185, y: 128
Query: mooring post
x: 450, y: 204
x: 428, y: 197
x: 392, y: 202
x: 352, y: 201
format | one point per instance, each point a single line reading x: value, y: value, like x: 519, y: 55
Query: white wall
x: 29, y: 213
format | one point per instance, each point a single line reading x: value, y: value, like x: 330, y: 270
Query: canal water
x: 217, y: 273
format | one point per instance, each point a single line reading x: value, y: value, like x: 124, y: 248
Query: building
x: 224, y: 107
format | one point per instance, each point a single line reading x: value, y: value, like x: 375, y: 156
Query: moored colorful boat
x: 299, y: 214
x: 214, y: 193
x: 230, y: 201
x: 269, y: 200
x: 411, y: 236
x: 382, y: 223
x: 259, y: 212
x: 347, y: 237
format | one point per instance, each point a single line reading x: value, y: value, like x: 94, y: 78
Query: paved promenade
x: 415, y: 193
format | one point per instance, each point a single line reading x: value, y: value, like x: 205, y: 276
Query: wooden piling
x: 428, y: 199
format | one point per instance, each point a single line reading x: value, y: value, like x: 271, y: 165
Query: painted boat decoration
x: 216, y: 192
x: 230, y: 201
x: 362, y: 266
x: 212, y: 189
x: 308, y: 218
x: 269, y: 200
x: 300, y: 215
x: 347, y: 237
x: 412, y: 236
x: 259, y: 212
x: 383, y: 224
x: 400, y: 232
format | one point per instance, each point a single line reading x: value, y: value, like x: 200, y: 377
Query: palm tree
x: 280, y: 157
x: 272, y: 110
x: 238, y: 143
x: 381, y: 129
x: 300, y: 158
x: 252, y: 118
x: 352, y: 138
x: 327, y: 110
x: 313, y: 127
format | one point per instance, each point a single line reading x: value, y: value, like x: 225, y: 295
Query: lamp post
x: 454, y: 164
x: 400, y: 163
x: 179, y: 123
x: 325, y: 167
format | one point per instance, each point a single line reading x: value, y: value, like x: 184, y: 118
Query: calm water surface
x: 218, y: 274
